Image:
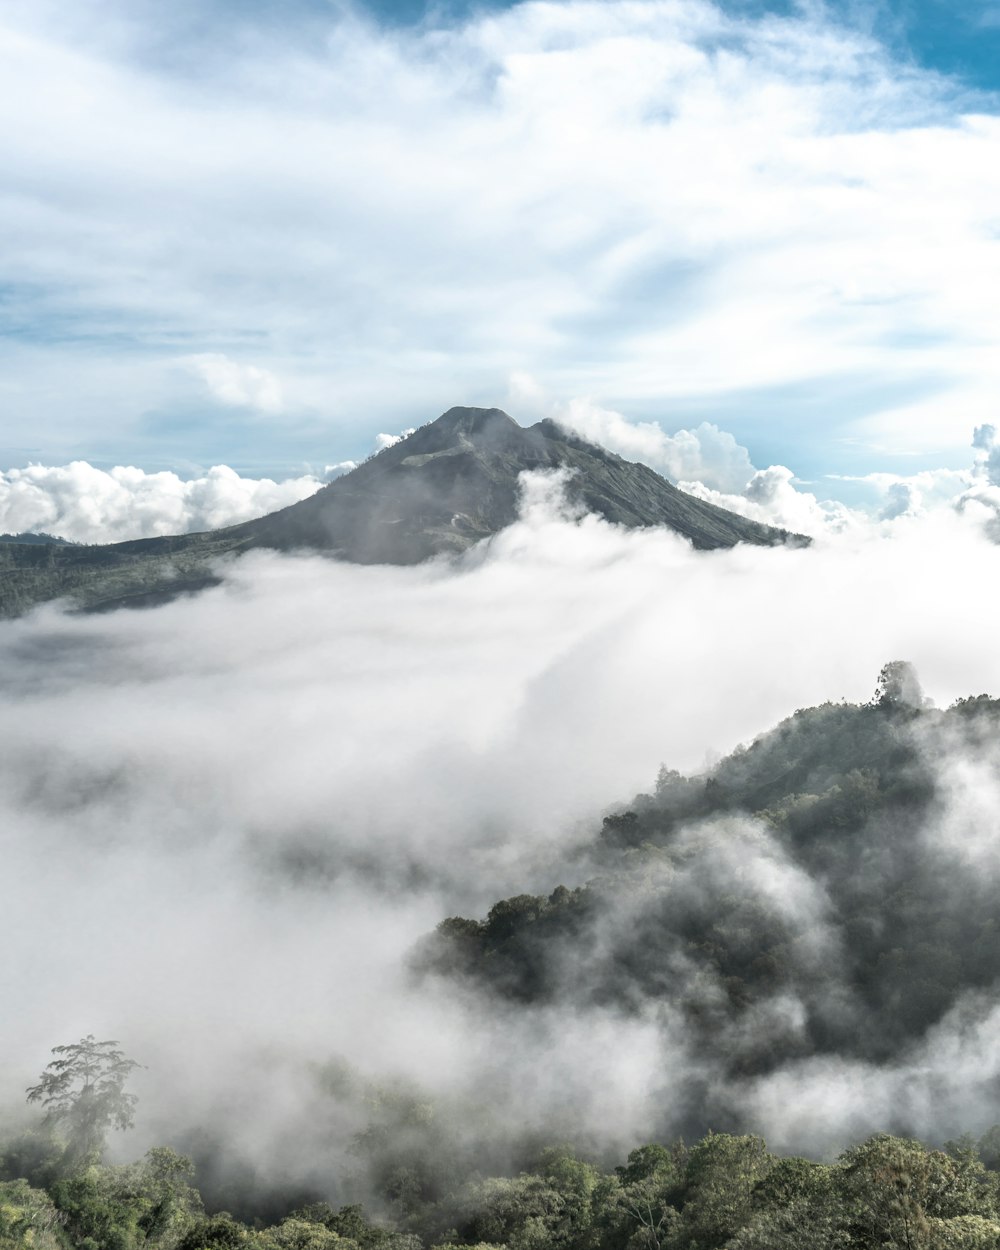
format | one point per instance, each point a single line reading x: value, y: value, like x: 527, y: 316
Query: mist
x: 229, y: 821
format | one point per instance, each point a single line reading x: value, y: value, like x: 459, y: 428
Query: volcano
x: 437, y: 492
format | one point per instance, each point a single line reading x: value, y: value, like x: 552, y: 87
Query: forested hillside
x: 822, y: 900
x: 829, y: 890
x: 724, y: 1191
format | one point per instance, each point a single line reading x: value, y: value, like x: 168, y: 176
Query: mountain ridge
x: 440, y: 490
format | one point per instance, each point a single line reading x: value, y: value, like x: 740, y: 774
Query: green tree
x: 795, y: 1205
x: 642, y: 1199
x: 898, y: 686
x: 83, y: 1090
x: 893, y: 1187
x: 721, y: 1175
x: 28, y: 1219
x: 217, y: 1232
x: 519, y: 1212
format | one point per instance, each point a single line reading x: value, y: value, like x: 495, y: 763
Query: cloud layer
x: 227, y: 820
x: 692, y: 213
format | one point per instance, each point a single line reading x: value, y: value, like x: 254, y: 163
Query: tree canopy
x: 83, y: 1091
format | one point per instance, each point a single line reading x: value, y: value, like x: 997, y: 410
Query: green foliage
x: 97, y: 1216
x: 988, y: 1148
x: 217, y: 1232
x: 721, y: 1176
x: 963, y: 1232
x: 679, y: 908
x: 83, y: 1090
x: 898, y: 686
x: 726, y: 1192
x: 510, y: 948
x: 517, y: 1212
x: 293, y: 1234
x: 639, y: 1206
x: 28, y: 1219
x: 897, y: 1192
x: 408, y: 1152
x: 838, y: 802
x: 35, y: 1156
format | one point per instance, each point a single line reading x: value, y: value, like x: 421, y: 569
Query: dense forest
x: 724, y: 1191
x: 823, y: 895
x: 809, y: 895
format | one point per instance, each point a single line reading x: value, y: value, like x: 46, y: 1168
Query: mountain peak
x: 447, y: 486
x: 487, y: 428
x: 473, y: 420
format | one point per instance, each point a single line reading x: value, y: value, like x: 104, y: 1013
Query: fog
x: 227, y: 822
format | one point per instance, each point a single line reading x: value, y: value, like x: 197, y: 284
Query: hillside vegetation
x: 723, y: 1193
x: 828, y: 890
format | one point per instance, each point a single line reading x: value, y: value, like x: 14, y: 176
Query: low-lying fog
x: 226, y: 821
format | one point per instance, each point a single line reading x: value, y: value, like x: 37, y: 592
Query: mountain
x: 437, y: 492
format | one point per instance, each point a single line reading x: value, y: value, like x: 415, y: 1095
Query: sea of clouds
x: 228, y: 820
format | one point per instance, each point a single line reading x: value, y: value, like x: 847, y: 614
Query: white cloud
x: 654, y: 201
x: 709, y: 463
x: 705, y: 453
x: 382, y: 441
x: 85, y: 504
x: 986, y: 443
x: 246, y: 784
x: 771, y: 497
x: 237, y: 385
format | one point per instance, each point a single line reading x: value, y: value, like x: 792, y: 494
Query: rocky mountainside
x: 444, y: 488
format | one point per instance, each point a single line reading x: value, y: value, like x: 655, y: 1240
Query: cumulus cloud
x: 706, y: 453
x: 228, y: 820
x: 774, y: 496
x: 89, y: 505
x: 771, y: 496
x: 709, y: 463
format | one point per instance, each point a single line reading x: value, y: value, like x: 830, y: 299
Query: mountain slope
x: 826, y: 894
x: 444, y: 488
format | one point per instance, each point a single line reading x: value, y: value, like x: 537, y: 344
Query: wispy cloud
x: 656, y: 203
x: 237, y: 385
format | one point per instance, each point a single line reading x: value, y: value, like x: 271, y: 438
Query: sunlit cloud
x: 768, y: 224
x: 85, y: 504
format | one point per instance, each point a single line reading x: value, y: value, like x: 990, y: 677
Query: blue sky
x: 259, y: 233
